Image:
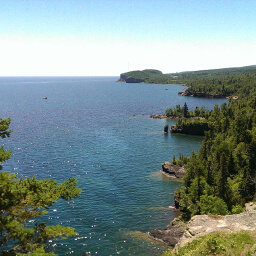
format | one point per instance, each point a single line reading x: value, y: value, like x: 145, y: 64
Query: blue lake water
x: 98, y: 130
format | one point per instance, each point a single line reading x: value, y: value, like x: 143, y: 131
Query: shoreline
x: 163, y: 116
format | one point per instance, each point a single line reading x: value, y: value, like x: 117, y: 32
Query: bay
x: 99, y: 131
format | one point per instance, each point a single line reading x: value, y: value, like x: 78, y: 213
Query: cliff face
x: 124, y: 78
x: 179, y: 233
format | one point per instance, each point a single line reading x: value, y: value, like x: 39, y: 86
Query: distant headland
x: 149, y: 76
x: 212, y: 83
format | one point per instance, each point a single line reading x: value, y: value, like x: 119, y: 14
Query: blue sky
x: 107, y: 37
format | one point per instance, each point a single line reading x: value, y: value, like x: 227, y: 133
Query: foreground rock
x: 172, y: 170
x: 179, y: 233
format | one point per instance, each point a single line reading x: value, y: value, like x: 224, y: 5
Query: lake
x: 99, y: 131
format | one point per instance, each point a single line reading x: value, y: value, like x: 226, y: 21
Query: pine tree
x: 185, y: 110
x: 23, y: 199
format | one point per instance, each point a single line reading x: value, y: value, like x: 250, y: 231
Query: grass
x: 242, y: 243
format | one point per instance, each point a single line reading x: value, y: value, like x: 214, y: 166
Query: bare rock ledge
x: 179, y: 233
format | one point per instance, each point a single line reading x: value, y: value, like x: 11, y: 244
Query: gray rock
x: 171, y: 235
x: 173, y: 170
x: 158, y: 116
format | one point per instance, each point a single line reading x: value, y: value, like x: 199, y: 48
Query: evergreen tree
x: 225, y: 168
x: 23, y: 199
x: 185, y: 110
x: 222, y: 177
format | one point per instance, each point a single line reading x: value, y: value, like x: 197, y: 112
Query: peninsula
x: 214, y: 83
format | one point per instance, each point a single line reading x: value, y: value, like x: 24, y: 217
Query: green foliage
x: 4, y: 132
x: 185, y: 110
x: 182, y: 160
x: 213, y: 205
x: 219, y: 82
x: 205, y: 83
x: 150, y: 76
x: 4, y: 127
x: 238, y: 243
x: 189, y: 122
x: 23, y: 200
x: 26, y: 199
x: 193, y: 127
x: 222, y: 177
x: 236, y: 209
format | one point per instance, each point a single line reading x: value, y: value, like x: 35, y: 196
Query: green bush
x: 213, y: 205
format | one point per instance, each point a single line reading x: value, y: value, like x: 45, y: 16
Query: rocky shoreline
x: 179, y: 233
x: 201, y: 95
x: 158, y: 116
x: 163, y: 116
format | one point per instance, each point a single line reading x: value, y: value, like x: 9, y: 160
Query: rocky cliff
x: 125, y: 78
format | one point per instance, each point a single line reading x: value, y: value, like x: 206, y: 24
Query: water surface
x: 98, y: 131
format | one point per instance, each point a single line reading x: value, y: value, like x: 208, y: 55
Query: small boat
x: 45, y: 98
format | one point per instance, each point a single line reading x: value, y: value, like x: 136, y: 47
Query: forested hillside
x: 150, y: 76
x: 206, y: 83
x: 221, y: 178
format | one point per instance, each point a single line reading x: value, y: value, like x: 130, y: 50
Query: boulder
x: 173, y: 170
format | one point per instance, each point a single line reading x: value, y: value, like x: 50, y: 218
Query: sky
x: 109, y: 37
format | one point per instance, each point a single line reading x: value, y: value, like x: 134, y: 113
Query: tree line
x: 205, y: 83
x: 221, y: 178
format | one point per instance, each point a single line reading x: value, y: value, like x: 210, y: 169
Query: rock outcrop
x: 158, y: 116
x: 166, y: 127
x: 171, y: 235
x: 173, y: 170
x: 179, y: 233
